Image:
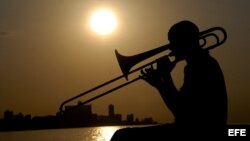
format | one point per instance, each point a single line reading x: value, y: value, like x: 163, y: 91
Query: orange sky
x: 48, y: 53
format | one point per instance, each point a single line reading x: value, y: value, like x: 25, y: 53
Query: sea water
x: 103, y: 133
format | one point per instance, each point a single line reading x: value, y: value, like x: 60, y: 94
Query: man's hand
x: 152, y: 76
x: 164, y: 65
x: 156, y: 77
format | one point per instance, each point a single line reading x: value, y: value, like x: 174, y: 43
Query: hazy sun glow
x: 103, y: 21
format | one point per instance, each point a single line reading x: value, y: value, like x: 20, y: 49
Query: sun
x: 103, y: 21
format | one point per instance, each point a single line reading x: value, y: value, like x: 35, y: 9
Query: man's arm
x: 169, y: 93
x: 161, y: 79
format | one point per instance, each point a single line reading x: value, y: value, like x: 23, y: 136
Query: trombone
x: 127, y: 62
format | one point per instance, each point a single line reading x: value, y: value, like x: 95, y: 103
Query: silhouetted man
x: 200, y: 106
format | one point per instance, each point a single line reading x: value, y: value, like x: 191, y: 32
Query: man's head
x: 184, y: 39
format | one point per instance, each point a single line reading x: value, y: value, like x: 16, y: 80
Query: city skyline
x: 69, y: 107
x: 73, y: 116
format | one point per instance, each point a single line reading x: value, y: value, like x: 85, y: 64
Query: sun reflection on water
x: 102, y: 133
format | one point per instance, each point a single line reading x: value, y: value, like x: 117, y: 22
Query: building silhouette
x: 74, y: 116
x: 111, y: 110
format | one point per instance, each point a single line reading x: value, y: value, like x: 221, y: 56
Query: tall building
x: 111, y: 110
x: 112, y: 117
